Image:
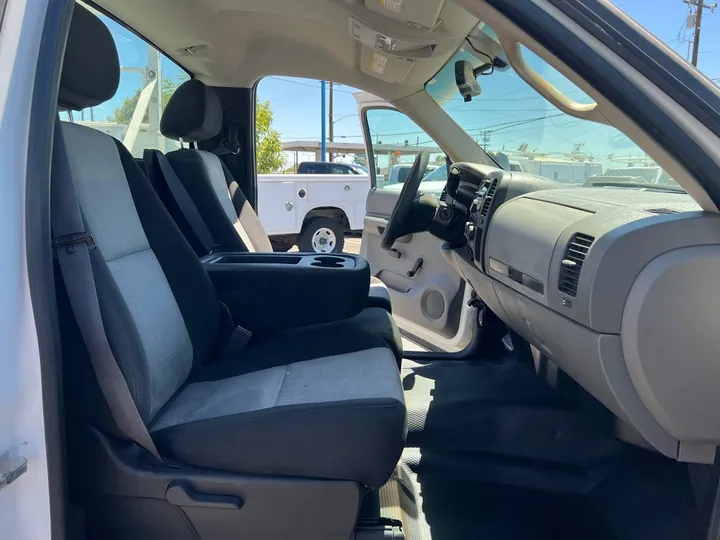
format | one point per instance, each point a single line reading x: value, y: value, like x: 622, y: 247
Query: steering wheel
x: 403, y: 206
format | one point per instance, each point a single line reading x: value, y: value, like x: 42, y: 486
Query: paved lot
x: 352, y: 244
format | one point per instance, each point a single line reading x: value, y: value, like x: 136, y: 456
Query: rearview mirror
x: 466, y: 81
x: 501, y: 159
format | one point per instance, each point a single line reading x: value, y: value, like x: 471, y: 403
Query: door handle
x: 11, y: 468
x: 416, y: 268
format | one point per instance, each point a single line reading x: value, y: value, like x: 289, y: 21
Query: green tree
x: 269, y: 148
x: 123, y: 114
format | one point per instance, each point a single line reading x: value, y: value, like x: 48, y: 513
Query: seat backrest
x: 194, y: 114
x: 159, y: 307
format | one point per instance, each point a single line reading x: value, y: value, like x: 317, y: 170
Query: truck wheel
x: 322, y: 235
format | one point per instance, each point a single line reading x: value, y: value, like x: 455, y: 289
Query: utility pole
x: 485, y: 139
x: 331, y: 124
x: 322, y: 121
x: 699, y: 6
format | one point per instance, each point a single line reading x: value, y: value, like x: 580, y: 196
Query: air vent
x: 661, y: 211
x: 443, y: 195
x: 487, y: 201
x: 572, y: 263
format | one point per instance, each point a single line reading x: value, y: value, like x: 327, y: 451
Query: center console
x: 273, y: 291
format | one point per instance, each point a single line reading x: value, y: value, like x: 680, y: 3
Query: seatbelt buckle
x: 239, y: 338
x: 69, y: 241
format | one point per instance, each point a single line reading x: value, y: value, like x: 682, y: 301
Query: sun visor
x: 386, y: 67
x: 418, y: 13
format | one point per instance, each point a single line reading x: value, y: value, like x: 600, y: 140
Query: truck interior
x: 202, y: 388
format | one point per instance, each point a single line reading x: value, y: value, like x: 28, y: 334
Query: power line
x: 316, y: 86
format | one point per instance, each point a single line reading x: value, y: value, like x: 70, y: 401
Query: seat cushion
x: 371, y: 328
x: 379, y: 295
x: 337, y: 417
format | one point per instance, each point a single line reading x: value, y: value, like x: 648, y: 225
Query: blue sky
x: 296, y: 102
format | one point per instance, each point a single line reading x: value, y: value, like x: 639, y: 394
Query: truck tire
x: 322, y: 235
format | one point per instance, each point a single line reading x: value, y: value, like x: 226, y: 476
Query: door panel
x: 429, y: 297
x: 428, y: 304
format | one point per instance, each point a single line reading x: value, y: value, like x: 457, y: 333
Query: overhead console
x: 396, y: 34
x: 618, y: 288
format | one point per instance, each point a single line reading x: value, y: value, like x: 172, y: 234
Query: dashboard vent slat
x: 444, y: 194
x: 487, y: 201
x: 575, y: 253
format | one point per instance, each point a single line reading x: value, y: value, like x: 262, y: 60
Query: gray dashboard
x: 615, y: 286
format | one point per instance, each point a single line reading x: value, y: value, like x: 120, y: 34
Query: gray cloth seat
x: 194, y: 114
x: 318, y: 418
x: 335, y: 414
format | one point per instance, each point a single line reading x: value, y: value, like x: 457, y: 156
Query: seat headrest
x: 91, y: 68
x: 193, y: 113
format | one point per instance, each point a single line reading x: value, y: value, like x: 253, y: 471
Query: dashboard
x: 615, y: 286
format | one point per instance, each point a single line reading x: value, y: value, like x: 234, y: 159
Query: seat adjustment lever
x: 183, y: 495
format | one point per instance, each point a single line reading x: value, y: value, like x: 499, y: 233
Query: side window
x: 396, y: 141
x: 147, y: 80
x: 335, y: 169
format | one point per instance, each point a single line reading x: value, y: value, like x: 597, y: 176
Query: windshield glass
x: 511, y: 118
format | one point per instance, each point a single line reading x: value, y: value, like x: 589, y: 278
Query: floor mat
x: 494, y: 454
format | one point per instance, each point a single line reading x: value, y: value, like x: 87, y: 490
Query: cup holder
x: 328, y: 262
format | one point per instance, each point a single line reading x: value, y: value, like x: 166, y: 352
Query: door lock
x: 347, y: 187
x: 416, y: 268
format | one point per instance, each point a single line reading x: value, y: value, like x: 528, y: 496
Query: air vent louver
x: 487, y: 201
x: 572, y: 263
x: 443, y: 195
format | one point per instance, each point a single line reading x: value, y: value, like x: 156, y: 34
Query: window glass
x: 396, y: 141
x: 147, y: 80
x: 335, y: 169
x: 511, y: 118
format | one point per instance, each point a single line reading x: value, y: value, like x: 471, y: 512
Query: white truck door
x: 277, y: 204
x: 24, y: 496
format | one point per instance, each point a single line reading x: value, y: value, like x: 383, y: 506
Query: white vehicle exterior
x: 289, y: 203
x: 24, y: 503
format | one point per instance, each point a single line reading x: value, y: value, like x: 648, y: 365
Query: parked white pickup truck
x: 312, y: 211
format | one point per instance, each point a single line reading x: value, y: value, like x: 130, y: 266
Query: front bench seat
x: 194, y: 114
x: 338, y: 415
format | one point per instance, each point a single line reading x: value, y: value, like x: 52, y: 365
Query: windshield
x: 509, y: 117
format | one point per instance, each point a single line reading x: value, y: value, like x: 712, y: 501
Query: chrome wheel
x: 324, y: 240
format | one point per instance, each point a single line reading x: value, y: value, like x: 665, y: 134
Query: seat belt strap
x: 185, y: 202
x: 73, y: 247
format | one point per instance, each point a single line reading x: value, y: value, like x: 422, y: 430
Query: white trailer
x: 313, y: 211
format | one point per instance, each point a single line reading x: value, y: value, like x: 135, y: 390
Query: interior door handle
x: 416, y: 268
